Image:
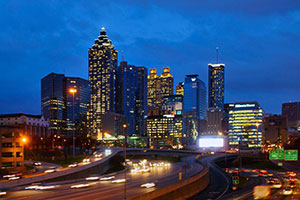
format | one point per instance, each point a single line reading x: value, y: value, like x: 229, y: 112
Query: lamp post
x: 125, y: 163
x: 73, y: 91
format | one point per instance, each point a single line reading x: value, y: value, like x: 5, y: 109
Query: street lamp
x: 73, y: 91
x: 125, y: 163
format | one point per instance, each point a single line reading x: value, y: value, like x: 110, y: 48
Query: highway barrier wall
x: 180, y: 190
x: 98, y: 167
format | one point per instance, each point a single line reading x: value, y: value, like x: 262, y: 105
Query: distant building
x: 194, y: 106
x: 57, y: 103
x: 53, y: 102
x: 216, y: 85
x: 153, y: 87
x: 214, y: 121
x: 126, y: 90
x: 245, y: 125
x: 225, y: 122
x: 275, y: 130
x: 141, y: 102
x: 164, y: 130
x: 103, y: 60
x: 180, y: 89
x: 173, y: 104
x: 112, y: 126
x: 11, y: 149
x: 159, y: 87
x: 81, y: 101
x: 292, y: 111
x: 34, y: 127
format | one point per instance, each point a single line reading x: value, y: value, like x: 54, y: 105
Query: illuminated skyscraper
x: 153, y: 83
x: 103, y: 60
x: 194, y: 106
x: 166, y: 84
x: 245, y: 125
x: 216, y: 85
x: 159, y: 87
x: 180, y: 89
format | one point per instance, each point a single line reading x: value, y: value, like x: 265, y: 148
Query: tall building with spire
x: 159, y: 87
x: 103, y: 60
x: 216, y: 85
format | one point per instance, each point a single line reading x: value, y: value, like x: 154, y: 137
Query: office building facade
x: 214, y: 121
x: 292, y: 111
x: 159, y: 87
x: 164, y: 130
x: 216, y: 85
x: 103, y: 60
x: 141, y: 102
x: 245, y: 125
x: 194, y: 106
x: 11, y: 149
x: 180, y: 89
x: 275, y: 130
x: 57, y: 103
x: 126, y: 89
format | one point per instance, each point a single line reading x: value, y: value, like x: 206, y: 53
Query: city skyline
x: 186, y: 45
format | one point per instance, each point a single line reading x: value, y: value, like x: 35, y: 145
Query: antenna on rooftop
x: 122, y: 54
x: 217, y: 54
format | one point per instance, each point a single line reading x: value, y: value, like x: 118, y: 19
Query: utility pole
x: 125, y: 163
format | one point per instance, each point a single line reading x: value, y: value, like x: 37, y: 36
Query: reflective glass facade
x: 57, y: 102
x: 216, y: 85
x: 127, y: 85
x: 245, y: 125
x: 53, y: 102
x: 194, y: 106
x: 141, y: 102
x: 102, y: 65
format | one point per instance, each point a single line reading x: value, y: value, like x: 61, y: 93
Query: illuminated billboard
x: 211, y: 142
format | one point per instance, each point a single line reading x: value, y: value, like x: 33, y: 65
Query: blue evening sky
x: 259, y: 43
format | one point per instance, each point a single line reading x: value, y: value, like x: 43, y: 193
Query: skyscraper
x: 180, y: 89
x: 53, y: 102
x: 153, y: 83
x: 103, y: 60
x: 194, y: 106
x: 166, y: 84
x: 216, y: 85
x: 141, y: 102
x: 159, y: 87
x: 127, y: 85
x: 245, y: 125
x: 81, y: 100
x: 57, y: 103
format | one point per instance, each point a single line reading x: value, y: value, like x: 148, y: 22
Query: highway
x: 163, y: 176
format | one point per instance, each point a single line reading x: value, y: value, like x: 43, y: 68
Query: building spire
x: 217, y: 55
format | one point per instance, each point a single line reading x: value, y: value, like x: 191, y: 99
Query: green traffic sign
x: 235, y: 180
x: 277, y: 154
x: 291, y: 155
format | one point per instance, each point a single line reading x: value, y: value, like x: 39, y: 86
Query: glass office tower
x: 53, y: 102
x: 103, y: 60
x: 127, y: 85
x: 194, y: 106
